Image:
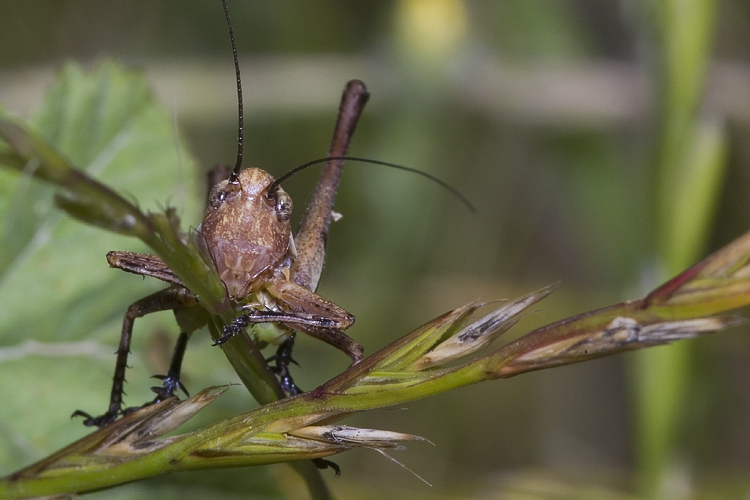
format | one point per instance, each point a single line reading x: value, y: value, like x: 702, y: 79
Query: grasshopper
x: 269, y: 275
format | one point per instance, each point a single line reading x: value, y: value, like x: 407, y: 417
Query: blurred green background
x: 603, y: 142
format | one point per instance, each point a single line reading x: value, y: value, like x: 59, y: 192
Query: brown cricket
x: 269, y: 275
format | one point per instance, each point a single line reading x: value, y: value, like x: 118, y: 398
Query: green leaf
x: 55, y: 284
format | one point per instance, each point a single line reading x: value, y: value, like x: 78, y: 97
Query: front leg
x: 333, y: 320
x: 334, y: 338
x: 169, y: 298
x: 309, y: 313
x: 143, y: 264
x: 318, y: 327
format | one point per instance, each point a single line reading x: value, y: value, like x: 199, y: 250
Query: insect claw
x: 132, y: 409
x: 81, y: 413
x: 168, y: 388
x: 275, y: 357
x: 91, y: 421
x: 232, y: 329
x: 184, y: 389
x: 322, y: 463
x: 221, y: 340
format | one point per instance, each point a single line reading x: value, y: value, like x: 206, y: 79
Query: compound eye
x: 218, y: 195
x: 223, y: 192
x: 283, y: 205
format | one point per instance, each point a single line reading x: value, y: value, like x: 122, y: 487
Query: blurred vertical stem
x: 688, y: 160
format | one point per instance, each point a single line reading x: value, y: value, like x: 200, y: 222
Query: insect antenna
x: 455, y: 192
x: 240, y: 126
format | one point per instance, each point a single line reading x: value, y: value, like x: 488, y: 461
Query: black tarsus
x: 455, y: 192
x: 171, y: 381
x: 322, y: 463
x: 240, y: 127
x: 282, y: 359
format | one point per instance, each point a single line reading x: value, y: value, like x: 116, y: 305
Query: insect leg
x: 169, y: 298
x: 322, y: 464
x: 304, y: 302
x: 312, y: 234
x: 314, y: 326
x: 282, y: 359
x: 255, y: 317
x: 171, y: 381
x: 335, y: 338
x: 321, y: 328
x: 143, y: 264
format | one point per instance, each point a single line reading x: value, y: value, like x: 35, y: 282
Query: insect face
x: 247, y: 232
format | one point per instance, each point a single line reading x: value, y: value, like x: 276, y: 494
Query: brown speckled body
x: 247, y: 233
x: 244, y: 233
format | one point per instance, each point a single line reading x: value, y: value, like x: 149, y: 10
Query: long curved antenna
x: 240, y: 127
x: 455, y: 192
